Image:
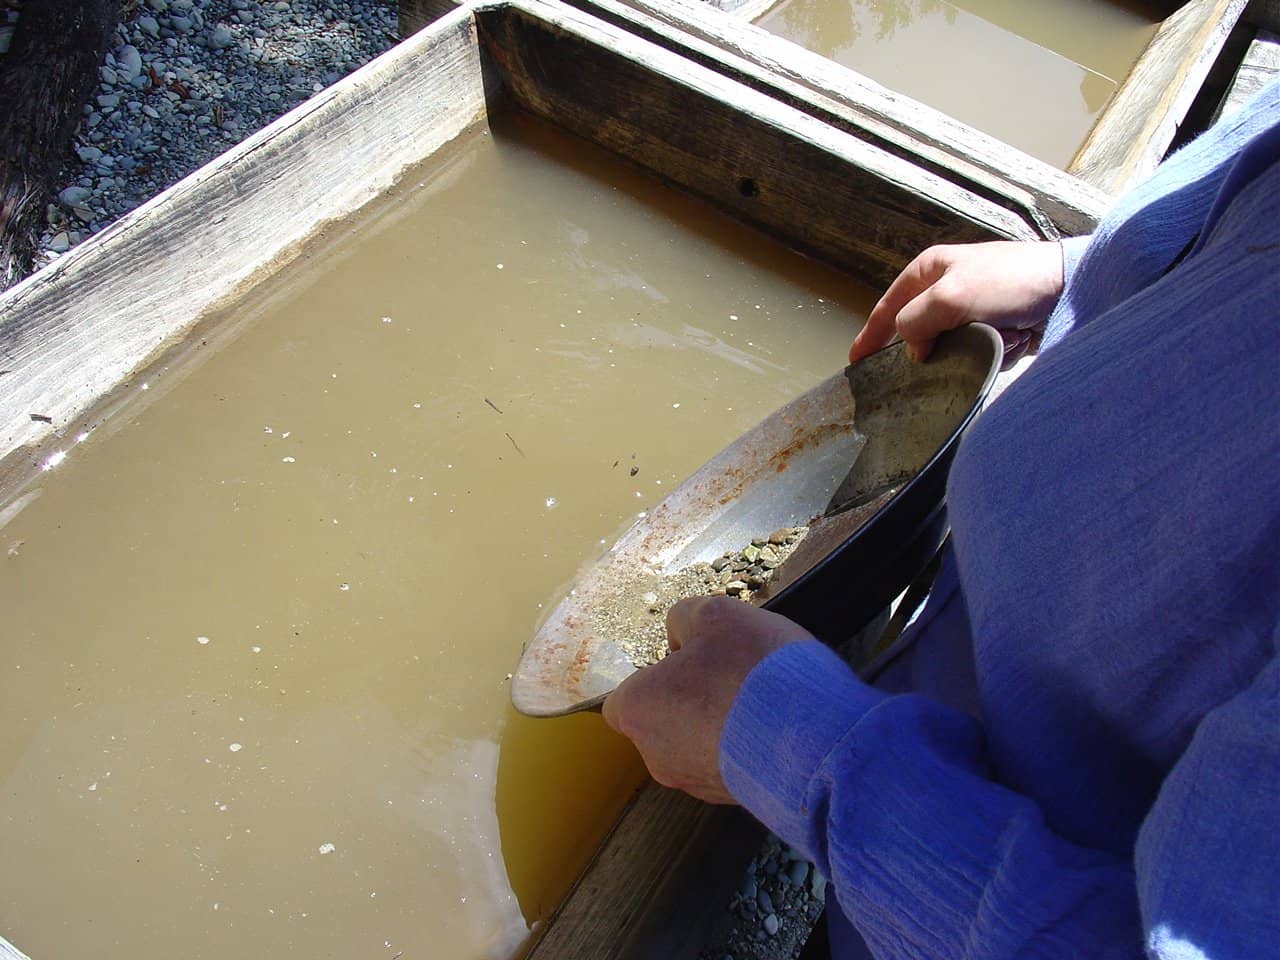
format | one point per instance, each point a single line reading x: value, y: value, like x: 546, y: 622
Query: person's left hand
x: 675, y: 710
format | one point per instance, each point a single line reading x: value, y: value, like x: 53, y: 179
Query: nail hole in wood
x: 747, y: 187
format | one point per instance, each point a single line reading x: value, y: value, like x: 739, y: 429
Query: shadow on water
x: 561, y: 785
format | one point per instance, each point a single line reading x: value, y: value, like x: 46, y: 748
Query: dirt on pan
x: 636, y: 616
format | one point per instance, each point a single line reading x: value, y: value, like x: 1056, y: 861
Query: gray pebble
x: 749, y: 887
x: 181, y: 24
x: 765, y: 901
x: 6, y: 37
x: 128, y: 62
x: 220, y: 37
x: 148, y: 25
x: 108, y: 101
x: 82, y: 213
x: 73, y: 195
x: 88, y: 154
x: 109, y: 76
x: 60, y: 243
x: 819, y: 886
x: 799, y: 873
x: 771, y: 924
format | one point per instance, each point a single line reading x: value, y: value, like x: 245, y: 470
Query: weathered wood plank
x: 1261, y: 63
x: 9, y: 952
x: 648, y: 891
x: 824, y: 192
x: 1138, y: 125
x: 73, y: 331
x: 858, y: 105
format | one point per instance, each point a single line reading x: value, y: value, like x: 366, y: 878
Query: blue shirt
x: 1080, y: 754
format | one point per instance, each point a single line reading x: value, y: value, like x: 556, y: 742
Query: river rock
x: 128, y: 63
x: 71, y: 196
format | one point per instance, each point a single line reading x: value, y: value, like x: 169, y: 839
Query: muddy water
x: 257, y: 630
x: 1033, y: 74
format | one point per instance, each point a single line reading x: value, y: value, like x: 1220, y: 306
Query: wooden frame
x: 75, y: 335
x: 1059, y: 203
x: 1136, y: 128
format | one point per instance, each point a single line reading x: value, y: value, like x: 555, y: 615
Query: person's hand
x: 675, y: 710
x: 1010, y: 285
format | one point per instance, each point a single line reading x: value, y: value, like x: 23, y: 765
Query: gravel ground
x: 775, y: 907
x: 185, y: 80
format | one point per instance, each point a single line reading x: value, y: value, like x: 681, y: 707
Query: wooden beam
x: 1055, y: 201
x: 654, y: 886
x: 1261, y: 63
x: 9, y: 952
x: 1135, y: 130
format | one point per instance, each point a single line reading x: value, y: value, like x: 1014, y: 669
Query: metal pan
x: 866, y: 451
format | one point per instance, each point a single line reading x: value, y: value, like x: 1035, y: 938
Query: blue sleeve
x: 890, y: 797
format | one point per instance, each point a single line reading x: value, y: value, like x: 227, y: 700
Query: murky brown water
x: 258, y: 629
x: 1035, y: 74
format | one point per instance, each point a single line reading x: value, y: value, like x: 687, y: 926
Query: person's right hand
x: 1010, y: 285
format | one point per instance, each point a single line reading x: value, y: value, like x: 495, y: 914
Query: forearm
x: 890, y: 798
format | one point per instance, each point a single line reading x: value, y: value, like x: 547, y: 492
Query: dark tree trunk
x: 45, y: 79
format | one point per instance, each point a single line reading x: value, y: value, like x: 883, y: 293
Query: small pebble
x: 771, y: 924
x: 71, y: 196
x: 128, y: 63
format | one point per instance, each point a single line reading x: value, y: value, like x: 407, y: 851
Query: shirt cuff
x: 792, y: 710
x: 1073, y: 249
